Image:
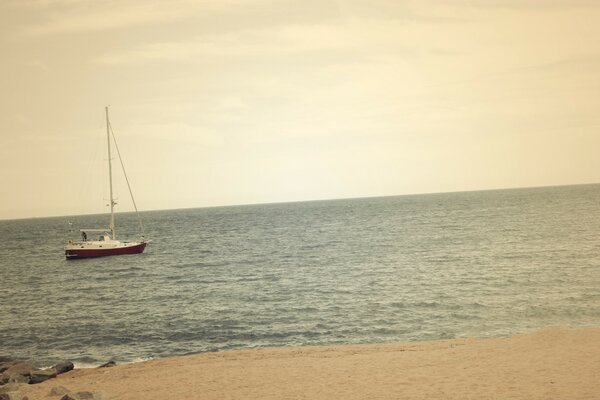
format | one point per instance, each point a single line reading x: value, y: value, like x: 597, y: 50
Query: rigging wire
x: 126, y: 179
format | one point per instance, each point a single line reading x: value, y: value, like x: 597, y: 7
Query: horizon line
x: 307, y: 201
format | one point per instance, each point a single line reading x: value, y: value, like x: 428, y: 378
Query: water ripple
x: 328, y: 272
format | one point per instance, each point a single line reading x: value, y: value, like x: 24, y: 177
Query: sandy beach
x: 548, y: 364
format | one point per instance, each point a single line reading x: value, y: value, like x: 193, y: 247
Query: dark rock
x: 85, y: 396
x: 16, y: 378
x: 68, y: 397
x: 25, y: 373
x: 19, y: 369
x: 41, y: 375
x: 9, y: 371
x: 5, y: 364
x: 18, y: 373
x: 62, y: 367
x: 89, y: 396
x: 58, y: 391
x: 4, y: 396
x: 108, y: 364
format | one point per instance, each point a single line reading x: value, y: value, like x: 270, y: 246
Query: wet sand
x: 548, y: 364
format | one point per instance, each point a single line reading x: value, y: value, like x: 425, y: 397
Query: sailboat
x: 104, y: 241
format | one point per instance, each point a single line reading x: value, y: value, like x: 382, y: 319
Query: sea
x: 370, y: 270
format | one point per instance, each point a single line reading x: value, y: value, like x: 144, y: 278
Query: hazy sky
x: 233, y: 102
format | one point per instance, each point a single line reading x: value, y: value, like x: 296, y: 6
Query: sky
x: 236, y: 102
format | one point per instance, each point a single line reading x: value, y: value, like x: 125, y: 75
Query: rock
x: 41, y: 375
x: 16, y: 378
x: 12, y: 387
x: 62, y: 367
x: 6, y: 365
x: 13, y: 377
x: 20, y: 368
x: 58, y: 391
x: 25, y: 373
x: 84, y: 396
x: 89, y: 396
x: 12, y: 396
x: 18, y: 372
x: 108, y: 364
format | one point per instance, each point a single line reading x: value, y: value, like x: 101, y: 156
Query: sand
x: 548, y: 364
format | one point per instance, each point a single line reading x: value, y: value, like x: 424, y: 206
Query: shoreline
x: 545, y: 364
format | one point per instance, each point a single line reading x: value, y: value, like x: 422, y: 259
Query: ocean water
x: 406, y: 268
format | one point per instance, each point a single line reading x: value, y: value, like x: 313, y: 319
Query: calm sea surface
x: 406, y: 268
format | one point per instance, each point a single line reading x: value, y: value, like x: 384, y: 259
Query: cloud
x: 88, y: 17
x: 37, y: 64
x: 523, y: 4
x: 77, y: 16
x: 354, y: 39
x: 240, y: 44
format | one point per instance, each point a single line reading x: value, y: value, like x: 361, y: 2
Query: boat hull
x: 76, y: 253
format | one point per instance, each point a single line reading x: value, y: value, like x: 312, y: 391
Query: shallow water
x: 404, y: 268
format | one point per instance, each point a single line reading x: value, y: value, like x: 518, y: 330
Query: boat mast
x: 112, y: 202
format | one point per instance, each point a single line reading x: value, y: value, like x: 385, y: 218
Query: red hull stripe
x: 87, y: 253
